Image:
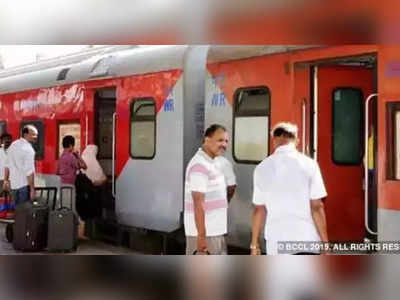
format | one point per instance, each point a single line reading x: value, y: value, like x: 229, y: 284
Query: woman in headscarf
x: 89, y: 202
x: 94, y: 171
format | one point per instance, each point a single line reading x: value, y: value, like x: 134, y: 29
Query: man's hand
x: 201, y: 244
x: 6, y: 186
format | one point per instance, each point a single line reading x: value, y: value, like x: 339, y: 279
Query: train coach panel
x: 149, y: 185
x: 241, y: 95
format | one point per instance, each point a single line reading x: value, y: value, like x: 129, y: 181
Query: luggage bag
x: 63, y: 228
x: 31, y: 222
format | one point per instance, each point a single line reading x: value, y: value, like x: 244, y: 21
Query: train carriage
x: 146, y: 109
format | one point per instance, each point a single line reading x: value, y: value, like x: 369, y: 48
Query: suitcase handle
x: 48, y: 190
x: 61, y: 197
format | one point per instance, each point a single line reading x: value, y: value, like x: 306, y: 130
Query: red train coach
x: 146, y: 108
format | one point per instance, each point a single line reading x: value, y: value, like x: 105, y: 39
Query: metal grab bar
x: 87, y: 130
x: 366, y: 163
x: 315, y: 79
x: 304, y: 112
x: 113, y: 153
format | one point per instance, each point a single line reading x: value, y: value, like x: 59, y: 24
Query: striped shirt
x: 203, y: 175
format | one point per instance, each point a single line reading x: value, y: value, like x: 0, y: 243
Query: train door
x: 340, y: 92
x: 105, y: 106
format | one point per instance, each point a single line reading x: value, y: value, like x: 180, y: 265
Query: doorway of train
x: 343, y: 139
x: 105, y: 101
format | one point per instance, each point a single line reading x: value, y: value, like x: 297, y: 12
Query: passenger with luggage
x: 69, y: 163
x: 20, y: 166
x: 90, y: 186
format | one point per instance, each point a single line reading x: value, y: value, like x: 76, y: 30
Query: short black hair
x: 282, y: 132
x: 68, y: 141
x: 5, y: 135
x: 25, y: 130
x: 212, y: 129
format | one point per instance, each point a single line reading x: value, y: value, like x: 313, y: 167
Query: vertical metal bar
x: 303, y: 142
x: 315, y: 113
x: 113, y: 153
x: 366, y: 162
x: 87, y: 130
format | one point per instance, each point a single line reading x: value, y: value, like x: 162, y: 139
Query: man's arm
x: 259, y: 215
x: 199, y: 217
x: 31, y: 183
x: 318, y: 215
x: 230, y: 191
x: 28, y: 166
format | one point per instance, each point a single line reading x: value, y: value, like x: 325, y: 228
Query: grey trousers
x: 216, y: 245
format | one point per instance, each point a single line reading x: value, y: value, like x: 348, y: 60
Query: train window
x: 347, y: 132
x: 38, y: 146
x: 143, y: 129
x: 251, y: 111
x: 72, y: 128
x: 393, y: 161
x: 3, y: 127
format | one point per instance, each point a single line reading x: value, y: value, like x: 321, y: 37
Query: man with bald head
x: 20, y: 166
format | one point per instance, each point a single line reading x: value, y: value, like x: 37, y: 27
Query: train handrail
x: 366, y: 163
x: 113, y: 153
x: 304, y: 115
x: 315, y: 116
x: 87, y: 129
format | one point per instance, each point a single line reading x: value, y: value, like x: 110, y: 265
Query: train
x: 147, y: 108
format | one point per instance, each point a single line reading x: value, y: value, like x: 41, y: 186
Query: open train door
x: 339, y: 93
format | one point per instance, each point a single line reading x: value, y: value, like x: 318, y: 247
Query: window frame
x: 362, y: 127
x: 67, y: 122
x: 248, y: 115
x: 391, y: 109
x: 142, y: 119
x: 40, y: 126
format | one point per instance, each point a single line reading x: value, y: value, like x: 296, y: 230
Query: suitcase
x: 31, y: 222
x: 30, y: 227
x: 63, y: 229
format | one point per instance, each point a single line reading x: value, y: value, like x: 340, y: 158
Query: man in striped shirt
x: 206, y: 201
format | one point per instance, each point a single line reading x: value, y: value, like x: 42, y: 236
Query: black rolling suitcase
x: 63, y: 229
x: 31, y: 222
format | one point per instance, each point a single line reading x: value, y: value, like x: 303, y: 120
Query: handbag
x: 7, y: 206
x: 85, y: 191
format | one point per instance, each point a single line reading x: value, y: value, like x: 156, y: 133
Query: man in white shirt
x: 5, y: 141
x: 20, y: 166
x: 206, y: 200
x: 288, y: 189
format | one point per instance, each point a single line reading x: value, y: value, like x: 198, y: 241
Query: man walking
x: 288, y: 189
x: 20, y: 166
x: 206, y: 201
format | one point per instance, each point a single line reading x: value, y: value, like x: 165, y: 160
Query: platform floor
x: 89, y: 247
